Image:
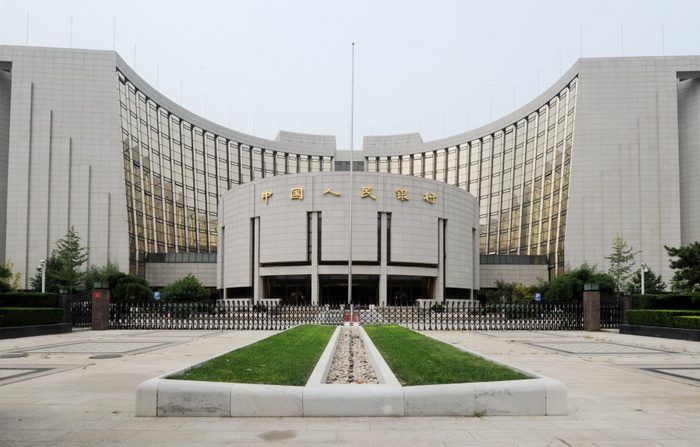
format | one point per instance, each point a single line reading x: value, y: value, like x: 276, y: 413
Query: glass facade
x: 175, y: 172
x: 520, y: 175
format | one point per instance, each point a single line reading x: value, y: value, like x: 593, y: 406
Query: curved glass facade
x: 175, y: 172
x: 520, y: 175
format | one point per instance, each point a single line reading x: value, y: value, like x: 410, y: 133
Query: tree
x: 70, y: 256
x: 51, y: 285
x: 5, y: 278
x: 185, y: 290
x: 125, y: 288
x: 132, y: 289
x: 621, y: 262
x: 652, y: 283
x: 109, y: 274
x: 569, y: 286
x: 509, y: 292
x: 686, y: 277
x: 14, y: 280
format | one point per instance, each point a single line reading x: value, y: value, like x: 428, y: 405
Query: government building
x: 611, y: 148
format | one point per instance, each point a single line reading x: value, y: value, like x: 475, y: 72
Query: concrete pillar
x: 625, y: 305
x: 591, y: 310
x: 257, y: 280
x: 314, y: 259
x: 383, y: 261
x: 439, y: 285
x: 64, y: 302
x: 100, y: 309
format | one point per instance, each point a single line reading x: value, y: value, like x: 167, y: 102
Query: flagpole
x: 352, y: 185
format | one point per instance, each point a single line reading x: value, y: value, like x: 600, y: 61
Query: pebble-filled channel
x: 350, y: 361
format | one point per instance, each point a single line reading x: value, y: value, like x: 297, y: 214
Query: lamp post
x: 643, y: 269
x: 43, y: 275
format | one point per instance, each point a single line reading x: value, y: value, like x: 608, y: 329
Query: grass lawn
x: 287, y: 358
x: 419, y: 360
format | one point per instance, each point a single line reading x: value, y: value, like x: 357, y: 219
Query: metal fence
x: 426, y: 316
x: 610, y: 312
x: 81, y: 313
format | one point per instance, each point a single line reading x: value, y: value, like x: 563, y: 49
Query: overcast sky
x: 434, y: 67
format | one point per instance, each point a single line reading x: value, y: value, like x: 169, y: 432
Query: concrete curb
x: 320, y: 372
x: 537, y: 396
x: 33, y: 331
x: 383, y: 399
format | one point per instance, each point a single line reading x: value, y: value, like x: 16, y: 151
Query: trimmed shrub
x: 688, y: 322
x: 25, y: 316
x: 661, y: 318
x: 185, y: 290
x: 665, y: 301
x: 29, y: 299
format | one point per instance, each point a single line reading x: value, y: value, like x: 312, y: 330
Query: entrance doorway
x: 405, y: 290
x: 291, y: 289
x: 334, y: 289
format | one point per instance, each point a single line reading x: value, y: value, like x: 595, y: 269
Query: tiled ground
x: 687, y: 373
x: 613, y: 399
x: 7, y: 373
x: 89, y: 347
x: 592, y: 347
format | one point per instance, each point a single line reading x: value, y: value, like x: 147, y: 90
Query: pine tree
x: 686, y: 278
x: 652, y: 283
x: 50, y: 284
x: 70, y: 257
x: 621, y: 262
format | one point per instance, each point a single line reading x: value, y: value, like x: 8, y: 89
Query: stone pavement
x: 623, y: 391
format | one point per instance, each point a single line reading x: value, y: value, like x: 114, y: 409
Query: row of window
x: 176, y: 171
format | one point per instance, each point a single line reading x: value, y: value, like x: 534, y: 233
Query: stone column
x: 100, y: 309
x: 314, y: 259
x: 591, y: 310
x: 625, y: 305
x: 257, y: 280
x: 64, y: 301
x: 383, y: 261
x: 439, y: 285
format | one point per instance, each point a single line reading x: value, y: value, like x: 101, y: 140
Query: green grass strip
x: 419, y: 360
x: 287, y: 358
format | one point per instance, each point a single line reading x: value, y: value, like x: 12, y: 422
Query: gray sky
x: 434, y: 67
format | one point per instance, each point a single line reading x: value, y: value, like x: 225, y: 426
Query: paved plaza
x: 78, y: 390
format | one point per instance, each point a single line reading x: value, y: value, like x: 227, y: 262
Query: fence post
x: 100, y: 309
x: 625, y: 305
x: 591, y: 310
x: 65, y: 302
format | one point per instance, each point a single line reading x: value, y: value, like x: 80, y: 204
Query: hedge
x: 665, y: 301
x: 29, y: 299
x: 662, y: 318
x: 25, y: 316
x: 688, y: 322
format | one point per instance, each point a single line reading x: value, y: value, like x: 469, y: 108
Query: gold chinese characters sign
x: 401, y: 195
x: 329, y: 191
x: 296, y: 193
x: 367, y: 192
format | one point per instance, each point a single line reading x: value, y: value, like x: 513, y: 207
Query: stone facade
x: 612, y: 149
x: 277, y: 234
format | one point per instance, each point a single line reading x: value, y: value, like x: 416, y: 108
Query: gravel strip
x: 350, y: 361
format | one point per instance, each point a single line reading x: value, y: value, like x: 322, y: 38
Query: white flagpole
x: 352, y: 186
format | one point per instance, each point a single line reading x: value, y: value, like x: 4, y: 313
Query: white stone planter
x: 536, y: 396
